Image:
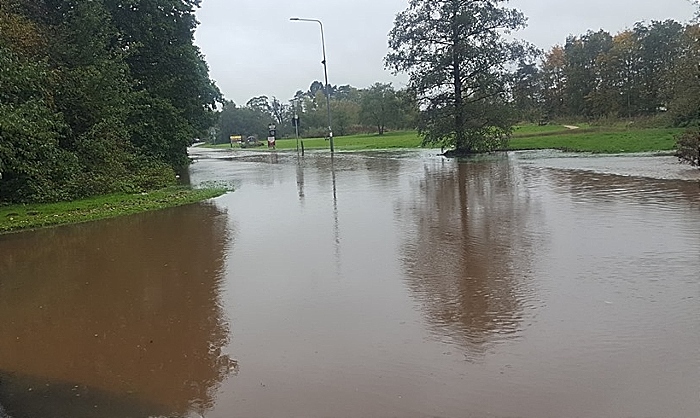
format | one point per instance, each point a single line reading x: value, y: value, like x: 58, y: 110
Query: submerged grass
x: 22, y: 217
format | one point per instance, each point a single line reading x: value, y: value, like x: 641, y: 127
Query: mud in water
x: 393, y: 284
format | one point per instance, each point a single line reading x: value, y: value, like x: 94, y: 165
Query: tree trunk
x: 460, y: 139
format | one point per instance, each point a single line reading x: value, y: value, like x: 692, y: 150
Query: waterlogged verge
x: 22, y: 217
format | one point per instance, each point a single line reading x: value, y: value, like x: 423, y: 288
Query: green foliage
x: 346, y: 115
x: 650, y: 70
x: 98, y: 96
x: 683, y: 82
x: 459, y: 65
x: 581, y: 71
x: 380, y: 107
x: 527, y: 95
x: 352, y: 111
x: 688, y: 147
x: 158, y: 130
x: 243, y: 121
x: 31, y: 160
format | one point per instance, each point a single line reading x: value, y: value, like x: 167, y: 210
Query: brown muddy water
x: 398, y: 284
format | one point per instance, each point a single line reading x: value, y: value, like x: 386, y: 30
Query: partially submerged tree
x: 461, y: 67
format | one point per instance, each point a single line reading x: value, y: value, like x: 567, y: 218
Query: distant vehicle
x: 251, y: 142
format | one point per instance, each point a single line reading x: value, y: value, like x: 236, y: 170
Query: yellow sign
x: 235, y: 138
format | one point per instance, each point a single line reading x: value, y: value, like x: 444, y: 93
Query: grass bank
x: 22, y: 217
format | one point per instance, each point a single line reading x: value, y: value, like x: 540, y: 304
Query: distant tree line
x: 98, y: 96
x: 650, y: 70
x: 377, y: 109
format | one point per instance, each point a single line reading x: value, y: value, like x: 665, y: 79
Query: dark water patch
x: 26, y: 397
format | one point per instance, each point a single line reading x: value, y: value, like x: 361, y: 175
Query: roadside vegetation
x: 32, y: 216
x: 98, y: 97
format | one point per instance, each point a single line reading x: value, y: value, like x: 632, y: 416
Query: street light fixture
x: 325, y: 74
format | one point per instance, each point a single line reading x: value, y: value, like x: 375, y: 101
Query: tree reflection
x: 468, y: 251
x: 124, y: 313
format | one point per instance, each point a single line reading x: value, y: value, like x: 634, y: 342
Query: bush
x: 688, y: 147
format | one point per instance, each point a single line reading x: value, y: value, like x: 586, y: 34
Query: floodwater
x: 395, y: 284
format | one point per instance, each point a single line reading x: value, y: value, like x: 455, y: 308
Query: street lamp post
x: 325, y: 74
x: 296, y: 122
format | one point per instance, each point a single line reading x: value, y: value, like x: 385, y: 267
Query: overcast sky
x: 253, y: 49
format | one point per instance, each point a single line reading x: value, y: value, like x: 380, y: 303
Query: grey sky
x: 253, y: 49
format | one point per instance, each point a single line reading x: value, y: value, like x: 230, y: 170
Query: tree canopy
x: 460, y: 66
x: 98, y: 96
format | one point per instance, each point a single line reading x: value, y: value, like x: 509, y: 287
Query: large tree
x: 380, y: 107
x: 584, y: 80
x: 170, y: 75
x: 460, y: 65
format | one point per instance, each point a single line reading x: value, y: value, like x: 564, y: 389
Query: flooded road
x: 395, y: 284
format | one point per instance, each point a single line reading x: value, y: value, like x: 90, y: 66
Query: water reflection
x: 336, y: 227
x: 468, y: 251
x: 300, y: 177
x: 115, y: 318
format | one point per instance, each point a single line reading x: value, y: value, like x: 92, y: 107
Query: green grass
x: 22, y: 217
x: 525, y: 137
x: 398, y: 139
x: 601, y: 141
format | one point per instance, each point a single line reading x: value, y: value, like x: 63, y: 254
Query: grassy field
x: 399, y: 139
x: 22, y: 217
x: 525, y: 137
x: 601, y: 141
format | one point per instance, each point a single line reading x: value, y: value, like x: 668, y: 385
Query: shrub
x: 688, y: 147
